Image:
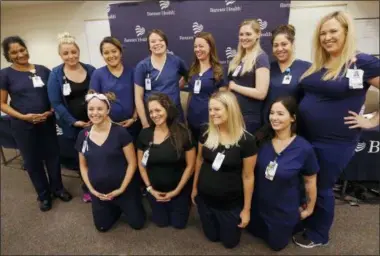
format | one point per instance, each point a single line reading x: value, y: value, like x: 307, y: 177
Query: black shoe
x: 45, y: 205
x: 63, y: 195
x: 303, y: 241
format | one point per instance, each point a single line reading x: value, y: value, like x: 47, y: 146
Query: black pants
x: 220, y: 225
x: 38, y: 145
x: 106, y: 213
x: 175, y: 212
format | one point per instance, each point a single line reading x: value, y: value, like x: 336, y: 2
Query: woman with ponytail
x: 166, y: 159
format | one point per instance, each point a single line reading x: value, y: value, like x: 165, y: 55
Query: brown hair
x: 161, y: 34
x: 214, y: 59
x: 178, y: 131
x: 288, y: 30
x: 113, y: 41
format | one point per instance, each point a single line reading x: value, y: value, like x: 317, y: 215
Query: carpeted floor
x: 68, y: 229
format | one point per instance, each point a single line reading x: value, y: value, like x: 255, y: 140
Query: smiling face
x: 217, y: 112
x: 157, y: 44
x: 18, y: 54
x: 332, y: 37
x: 157, y: 113
x: 247, y: 37
x: 97, y: 111
x: 282, y: 48
x: 280, y: 118
x: 201, y: 49
x: 69, y: 54
x: 111, y: 54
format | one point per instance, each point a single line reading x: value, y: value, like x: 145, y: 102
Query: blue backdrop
x: 180, y: 20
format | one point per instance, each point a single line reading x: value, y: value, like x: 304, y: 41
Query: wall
x: 41, y: 23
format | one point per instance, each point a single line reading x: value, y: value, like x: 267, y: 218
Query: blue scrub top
x: 165, y: 82
x: 25, y: 98
x: 278, y: 200
x: 197, y: 113
x: 326, y: 103
x: 106, y: 163
x: 249, y: 106
x: 104, y: 81
x: 278, y: 89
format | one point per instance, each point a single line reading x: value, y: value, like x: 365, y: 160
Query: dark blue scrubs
x: 104, y: 81
x: 322, y: 111
x: 251, y: 108
x: 107, y: 167
x: 277, y: 87
x: 275, y: 202
x: 197, y: 113
x: 166, y: 81
x: 37, y: 143
x: 165, y: 169
x: 221, y: 193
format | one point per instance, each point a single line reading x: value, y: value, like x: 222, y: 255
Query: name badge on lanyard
x: 237, y: 70
x: 85, y: 142
x: 66, y: 88
x: 145, y: 157
x: 271, y: 169
x: 37, y: 81
x: 355, y: 78
x: 198, y: 85
x: 218, y: 161
x: 148, y: 83
x: 288, y: 77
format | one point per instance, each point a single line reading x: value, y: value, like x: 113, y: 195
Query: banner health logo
x: 230, y: 54
x: 140, y: 31
x: 197, y: 27
x: 164, y: 5
x: 230, y: 7
x: 360, y: 146
x: 110, y: 16
x: 263, y: 26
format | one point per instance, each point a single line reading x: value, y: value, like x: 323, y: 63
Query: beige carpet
x: 68, y: 229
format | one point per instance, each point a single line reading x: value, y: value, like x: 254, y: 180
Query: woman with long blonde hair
x: 249, y: 74
x: 335, y: 88
x: 223, y: 180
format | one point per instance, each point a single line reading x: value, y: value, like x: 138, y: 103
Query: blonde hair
x: 235, y: 121
x: 66, y: 38
x: 250, y: 59
x: 320, y: 56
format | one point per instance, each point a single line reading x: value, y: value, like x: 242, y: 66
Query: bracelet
x: 149, y: 188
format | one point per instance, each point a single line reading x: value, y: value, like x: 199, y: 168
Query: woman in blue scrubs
x: 248, y: 73
x: 166, y: 158
x: 32, y: 120
x: 283, y: 159
x: 286, y: 70
x: 160, y: 72
x: 223, y: 179
x: 205, y: 78
x: 108, y: 165
x: 67, y: 87
x: 335, y: 88
x: 116, y: 78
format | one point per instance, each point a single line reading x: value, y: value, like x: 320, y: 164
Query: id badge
x: 145, y: 157
x: 148, y: 84
x: 271, y: 169
x: 218, y: 161
x: 355, y: 78
x: 287, y: 79
x: 66, y: 89
x: 37, y: 81
x: 237, y: 70
x: 84, y: 147
x: 197, y: 86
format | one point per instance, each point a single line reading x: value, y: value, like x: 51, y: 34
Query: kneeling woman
x: 224, y: 172
x: 166, y: 158
x: 108, y: 164
x: 282, y: 160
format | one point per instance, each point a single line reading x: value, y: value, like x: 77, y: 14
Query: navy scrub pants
x: 220, y: 225
x: 38, y: 144
x: 175, y: 212
x: 106, y: 213
x: 332, y: 160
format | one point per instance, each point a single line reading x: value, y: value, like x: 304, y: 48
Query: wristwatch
x: 149, y: 188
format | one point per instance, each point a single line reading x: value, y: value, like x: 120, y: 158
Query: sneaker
x: 301, y: 240
x: 86, y: 197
